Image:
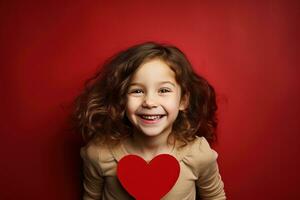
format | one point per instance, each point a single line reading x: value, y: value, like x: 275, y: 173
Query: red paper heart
x: 148, y: 181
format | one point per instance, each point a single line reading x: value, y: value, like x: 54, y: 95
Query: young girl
x: 147, y: 101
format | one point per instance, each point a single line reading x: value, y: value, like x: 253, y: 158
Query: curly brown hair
x: 99, y: 112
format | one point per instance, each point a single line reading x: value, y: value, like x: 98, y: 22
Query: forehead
x: 154, y: 70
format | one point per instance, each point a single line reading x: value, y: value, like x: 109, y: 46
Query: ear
x: 184, y: 102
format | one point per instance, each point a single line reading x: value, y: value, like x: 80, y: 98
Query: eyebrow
x: 160, y: 83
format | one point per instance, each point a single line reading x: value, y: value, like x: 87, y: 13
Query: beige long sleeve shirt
x: 198, y: 169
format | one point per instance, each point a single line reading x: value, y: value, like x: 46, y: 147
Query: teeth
x: 151, y: 117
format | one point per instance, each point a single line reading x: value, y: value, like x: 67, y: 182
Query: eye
x: 136, y: 91
x: 164, y: 90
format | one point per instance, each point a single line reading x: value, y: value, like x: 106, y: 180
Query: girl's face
x: 153, y: 98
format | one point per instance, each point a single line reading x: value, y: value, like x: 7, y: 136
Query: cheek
x: 131, y: 105
x: 173, y: 107
x: 173, y: 101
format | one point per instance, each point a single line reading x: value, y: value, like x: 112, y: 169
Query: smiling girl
x: 146, y: 101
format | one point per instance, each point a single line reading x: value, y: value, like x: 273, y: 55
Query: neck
x: 148, y: 147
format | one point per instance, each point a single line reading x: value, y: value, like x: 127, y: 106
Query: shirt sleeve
x: 209, y: 184
x: 93, y: 181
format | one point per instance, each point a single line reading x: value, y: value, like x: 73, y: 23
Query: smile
x: 150, y: 119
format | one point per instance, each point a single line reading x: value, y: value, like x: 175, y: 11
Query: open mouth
x: 151, y: 117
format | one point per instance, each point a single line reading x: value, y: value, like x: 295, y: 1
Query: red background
x: 249, y: 50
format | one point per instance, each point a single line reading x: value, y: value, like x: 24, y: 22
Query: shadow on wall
x: 65, y: 164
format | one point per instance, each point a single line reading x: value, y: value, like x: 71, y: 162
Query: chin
x: 152, y: 133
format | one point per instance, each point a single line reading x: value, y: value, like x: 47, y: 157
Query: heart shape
x: 148, y: 181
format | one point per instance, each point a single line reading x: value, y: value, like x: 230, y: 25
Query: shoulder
x: 200, y: 155
x: 95, y: 152
x: 100, y: 156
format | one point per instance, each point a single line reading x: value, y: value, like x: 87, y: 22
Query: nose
x: 149, y: 101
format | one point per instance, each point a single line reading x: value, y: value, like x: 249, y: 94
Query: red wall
x: 248, y: 50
